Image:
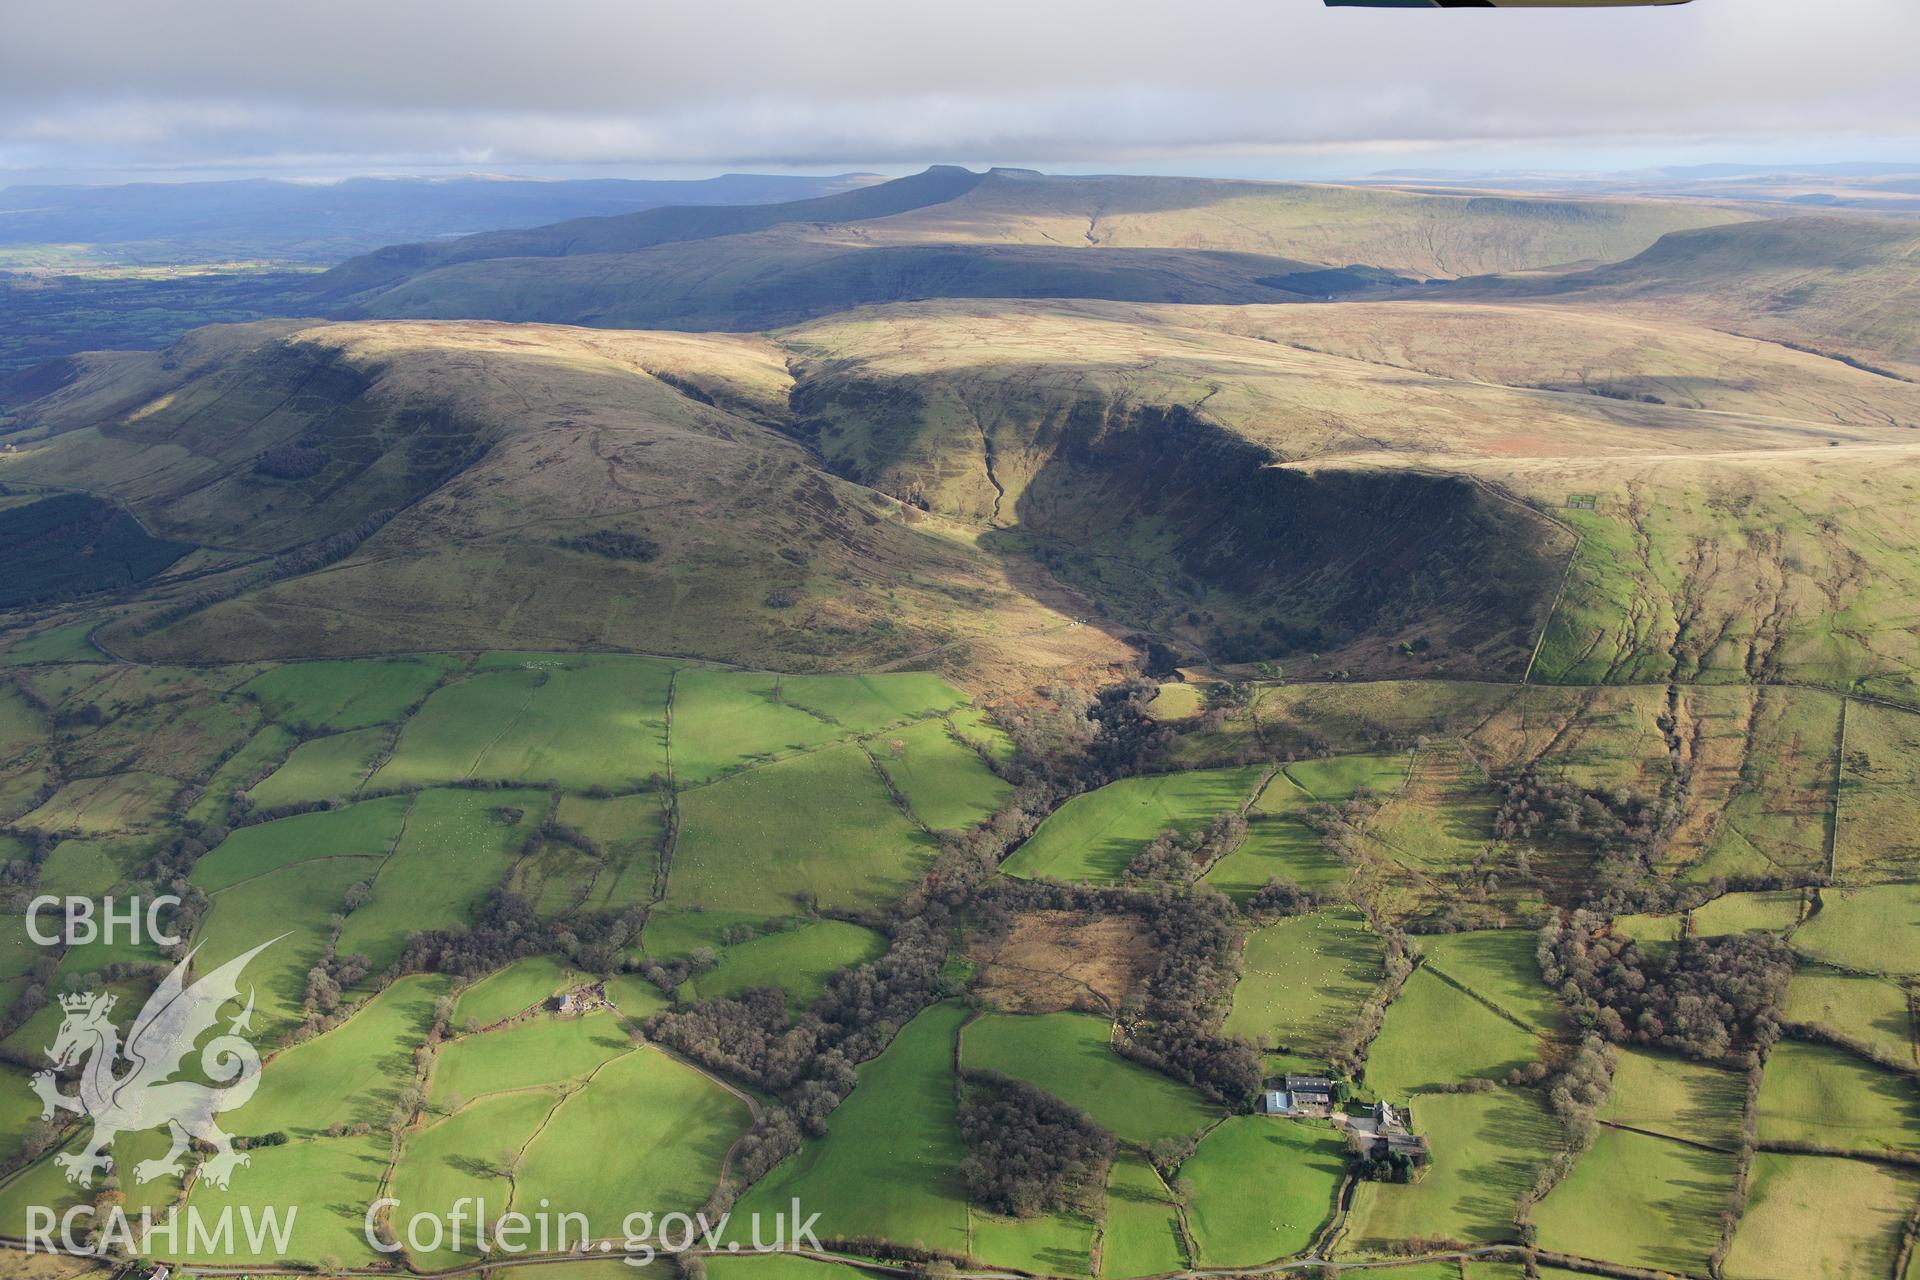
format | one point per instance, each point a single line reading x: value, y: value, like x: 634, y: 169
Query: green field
x: 1093, y: 836
x: 628, y: 830
x: 88, y: 868
x: 723, y: 720
x: 1293, y: 1169
x: 675, y: 1126
x: 517, y: 987
x: 1640, y: 1201
x: 1302, y: 980
x: 817, y: 829
x: 1499, y: 967
x: 472, y: 1152
x: 347, y: 695
x: 353, y: 1073
x: 1741, y: 912
x: 1141, y: 1235
x: 1676, y: 1098
x: 367, y: 829
x: 456, y: 846
x: 889, y: 1165
x: 1435, y: 1033
x: 1874, y: 930
x: 864, y: 704
x: 946, y: 783
x: 1486, y: 1148
x: 1277, y: 848
x: 1057, y: 1243
x: 66, y: 643
x: 1868, y: 1011
x: 1820, y: 1096
x: 332, y: 1180
x: 575, y: 722
x: 327, y: 768
x: 525, y: 1055
x: 797, y: 960
x: 297, y: 901
x: 1817, y: 1216
x: 1068, y: 1055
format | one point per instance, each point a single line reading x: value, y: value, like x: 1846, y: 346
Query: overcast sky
x: 1252, y: 87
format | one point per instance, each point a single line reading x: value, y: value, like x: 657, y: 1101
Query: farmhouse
x: 1300, y: 1096
x: 1383, y: 1132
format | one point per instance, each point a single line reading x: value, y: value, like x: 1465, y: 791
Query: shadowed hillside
x: 1845, y: 286
x: 1007, y: 233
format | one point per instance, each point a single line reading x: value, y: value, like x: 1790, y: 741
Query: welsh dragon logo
x: 142, y: 1096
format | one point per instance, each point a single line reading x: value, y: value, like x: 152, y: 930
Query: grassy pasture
x: 21, y: 725
x: 258, y: 753
x: 295, y: 900
x: 634, y: 996
x: 1443, y: 817
x: 520, y: 985
x: 525, y: 1055
x: 1337, y: 779
x: 1436, y: 1034
x: 1873, y: 930
x: 1871, y: 1011
x: 820, y: 827
x: 88, y: 868
x: 456, y: 846
x: 1276, y: 848
x: 799, y: 961
x: 665, y: 1153
x: 1676, y: 1098
x: 1818, y: 1216
x: 1641, y: 1201
x: 1774, y: 912
x: 1879, y: 808
x: 577, y: 722
x: 628, y: 830
x: 67, y: 643
x: 1823, y: 1096
x: 946, y: 783
x: 723, y: 720
x: 1498, y: 965
x: 1486, y: 1147
x: 767, y: 1266
x: 889, y: 1165
x: 1093, y: 836
x: 1047, y: 1243
x: 106, y: 805
x: 1777, y: 769
x: 865, y: 704
x: 353, y: 1073
x: 464, y: 1155
x: 1068, y: 1055
x: 445, y: 740
x: 332, y: 1180
x: 367, y: 829
x: 1303, y: 979
x: 322, y: 768
x: 1176, y: 701
x: 1142, y: 1229
x: 1261, y: 1189
x: 342, y: 695
x: 977, y: 727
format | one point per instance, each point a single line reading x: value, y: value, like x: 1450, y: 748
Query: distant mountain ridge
x: 949, y: 232
x: 322, y: 222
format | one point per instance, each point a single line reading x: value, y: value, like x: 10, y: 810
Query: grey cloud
x: 569, y: 82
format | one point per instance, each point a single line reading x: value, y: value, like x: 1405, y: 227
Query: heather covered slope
x: 1373, y: 488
